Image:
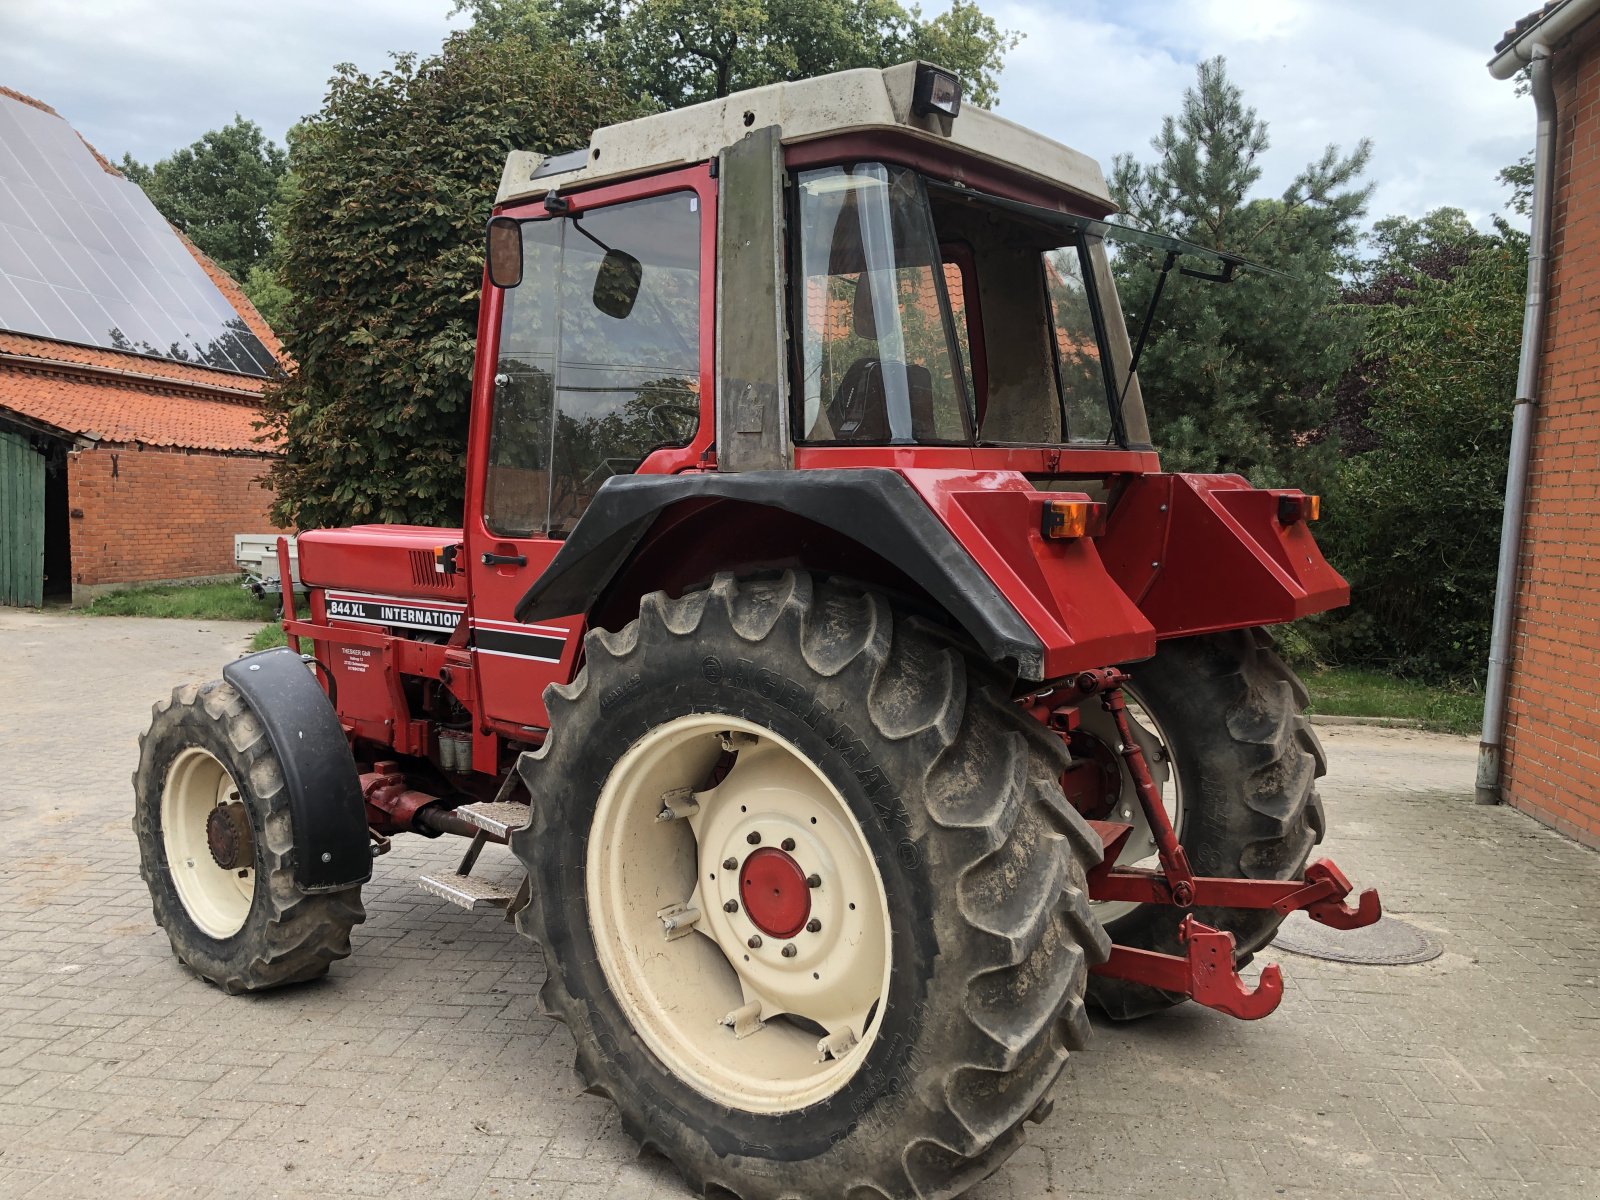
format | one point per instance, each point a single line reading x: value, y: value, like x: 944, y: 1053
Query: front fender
x: 326, y: 812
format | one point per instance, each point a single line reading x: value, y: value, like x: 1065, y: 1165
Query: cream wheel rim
x: 216, y: 899
x: 751, y: 1007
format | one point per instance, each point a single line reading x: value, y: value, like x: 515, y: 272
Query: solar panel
x: 86, y: 258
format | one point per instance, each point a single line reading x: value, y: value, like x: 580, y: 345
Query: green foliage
x: 381, y: 247
x: 1402, y: 244
x: 1519, y: 178
x: 678, y: 52
x: 1236, y: 376
x: 217, y: 191
x: 1414, y: 521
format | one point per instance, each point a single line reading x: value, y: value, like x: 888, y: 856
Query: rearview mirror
x: 616, y: 286
x: 505, y: 252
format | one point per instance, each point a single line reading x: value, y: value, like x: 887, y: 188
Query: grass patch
x: 269, y: 636
x: 197, y: 602
x: 1343, y: 691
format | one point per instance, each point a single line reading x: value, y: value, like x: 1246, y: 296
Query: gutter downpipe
x: 1496, y: 686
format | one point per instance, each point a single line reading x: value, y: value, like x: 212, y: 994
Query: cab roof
x: 846, y: 102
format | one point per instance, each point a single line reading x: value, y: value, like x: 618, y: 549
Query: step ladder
x: 495, y: 820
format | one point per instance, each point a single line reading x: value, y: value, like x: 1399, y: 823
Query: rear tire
x: 979, y: 859
x: 1247, y: 761
x: 241, y: 923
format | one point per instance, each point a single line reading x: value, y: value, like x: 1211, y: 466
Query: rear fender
x: 968, y: 541
x: 1203, y: 553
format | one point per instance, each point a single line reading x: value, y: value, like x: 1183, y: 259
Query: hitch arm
x: 1321, y: 893
x: 1206, y: 971
x: 1206, y: 974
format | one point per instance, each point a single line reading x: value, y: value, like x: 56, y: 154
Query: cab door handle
x: 504, y: 560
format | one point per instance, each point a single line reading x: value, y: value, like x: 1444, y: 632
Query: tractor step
x: 498, y: 817
x: 466, y: 891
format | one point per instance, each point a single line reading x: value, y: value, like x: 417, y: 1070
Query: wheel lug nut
x: 813, y: 926
x: 788, y: 843
x: 731, y: 906
x: 813, y: 881
x: 789, y: 951
x: 730, y: 864
x: 755, y: 941
x: 754, y: 839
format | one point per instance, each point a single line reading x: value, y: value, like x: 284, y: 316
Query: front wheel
x: 211, y: 814
x: 811, y: 900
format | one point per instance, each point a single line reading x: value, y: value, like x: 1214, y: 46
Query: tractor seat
x: 859, y: 410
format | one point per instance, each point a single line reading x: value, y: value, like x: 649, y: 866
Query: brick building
x: 1550, y: 762
x: 131, y: 369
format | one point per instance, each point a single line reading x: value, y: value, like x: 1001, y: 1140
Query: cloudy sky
x: 146, y: 76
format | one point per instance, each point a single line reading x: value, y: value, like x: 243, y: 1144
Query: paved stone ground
x: 420, y: 1067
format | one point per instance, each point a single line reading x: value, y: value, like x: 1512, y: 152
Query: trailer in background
x: 256, y: 555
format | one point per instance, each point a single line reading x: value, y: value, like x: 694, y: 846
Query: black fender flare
x: 872, y: 506
x: 326, y: 811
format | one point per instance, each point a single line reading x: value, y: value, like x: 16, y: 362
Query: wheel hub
x: 1093, y: 783
x: 774, y: 891
x: 228, y: 836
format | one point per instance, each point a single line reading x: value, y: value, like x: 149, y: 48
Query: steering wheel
x: 674, y: 420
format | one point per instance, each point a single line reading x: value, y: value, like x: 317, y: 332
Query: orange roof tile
x: 130, y: 413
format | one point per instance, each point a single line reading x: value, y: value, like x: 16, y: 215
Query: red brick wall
x: 160, y: 514
x: 1552, y: 767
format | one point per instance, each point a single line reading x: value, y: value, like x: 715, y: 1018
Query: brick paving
x: 421, y: 1068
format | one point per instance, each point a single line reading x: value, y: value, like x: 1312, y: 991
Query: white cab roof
x: 857, y: 101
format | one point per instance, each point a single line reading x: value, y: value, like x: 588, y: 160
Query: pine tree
x: 1236, y: 376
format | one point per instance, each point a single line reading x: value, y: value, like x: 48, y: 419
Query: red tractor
x: 823, y: 639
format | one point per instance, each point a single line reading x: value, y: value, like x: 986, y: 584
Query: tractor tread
x: 290, y: 936
x: 1018, y: 914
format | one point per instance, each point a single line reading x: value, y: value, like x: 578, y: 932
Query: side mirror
x: 505, y: 252
x: 616, y: 285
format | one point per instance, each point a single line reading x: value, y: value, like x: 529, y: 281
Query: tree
x: 678, y: 52
x: 217, y: 192
x: 381, y: 249
x: 1235, y: 376
x: 1413, y: 520
x: 1404, y: 251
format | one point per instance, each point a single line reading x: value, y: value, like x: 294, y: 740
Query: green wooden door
x: 21, y: 522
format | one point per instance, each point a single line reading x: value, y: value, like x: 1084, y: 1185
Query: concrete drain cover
x: 1388, y: 943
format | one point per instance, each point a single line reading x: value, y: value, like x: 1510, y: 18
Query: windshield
x: 930, y: 314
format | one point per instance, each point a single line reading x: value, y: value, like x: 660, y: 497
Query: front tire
x: 211, y: 815
x: 814, y: 711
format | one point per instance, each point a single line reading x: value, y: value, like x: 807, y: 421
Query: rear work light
x: 1298, y: 507
x: 1073, y: 519
x: 936, y: 91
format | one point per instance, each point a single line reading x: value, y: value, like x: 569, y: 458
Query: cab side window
x: 516, y: 499
x: 628, y: 377
x: 599, y: 359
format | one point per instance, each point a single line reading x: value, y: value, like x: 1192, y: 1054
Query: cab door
x: 597, y: 365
